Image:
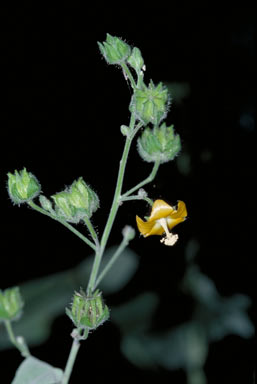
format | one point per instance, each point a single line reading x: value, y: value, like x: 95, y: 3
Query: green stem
x: 67, y: 225
x: 18, y: 342
x: 129, y: 75
x: 144, y: 182
x: 136, y: 197
x: 71, y: 360
x: 114, y: 257
x: 114, y: 207
x: 91, y: 230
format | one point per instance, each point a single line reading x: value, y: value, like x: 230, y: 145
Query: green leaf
x: 34, y: 371
x: 46, y: 298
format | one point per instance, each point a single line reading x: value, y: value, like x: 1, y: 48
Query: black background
x: 62, y: 111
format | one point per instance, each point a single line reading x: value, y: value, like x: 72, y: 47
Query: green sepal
x: 159, y: 144
x: 136, y: 60
x: 88, y: 311
x: 150, y: 104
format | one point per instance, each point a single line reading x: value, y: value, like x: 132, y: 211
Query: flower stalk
x: 18, y: 342
x: 114, y: 208
x: 71, y: 360
x: 63, y: 222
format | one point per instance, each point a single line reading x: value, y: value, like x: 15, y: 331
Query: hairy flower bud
x: 46, y: 204
x: 128, y: 233
x: 150, y: 104
x: 78, y: 201
x: 136, y: 60
x: 159, y: 144
x: 88, y: 311
x: 114, y: 50
x: 11, y: 304
x: 22, y: 186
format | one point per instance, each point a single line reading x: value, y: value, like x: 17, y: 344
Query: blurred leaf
x: 121, y: 272
x: 34, y: 371
x: 184, y: 347
x: 136, y: 315
x: 220, y: 316
x: 178, y: 90
x: 46, y: 298
x: 232, y: 318
x: 135, y: 349
x: 199, y: 285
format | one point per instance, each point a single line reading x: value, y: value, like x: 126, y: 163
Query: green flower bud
x: 78, y: 201
x: 128, y: 233
x: 125, y: 130
x: 150, y: 104
x: 46, y: 204
x: 114, y: 50
x: 88, y: 311
x: 11, y: 304
x: 63, y: 207
x: 83, y: 197
x: 159, y: 144
x: 136, y: 60
x: 22, y: 186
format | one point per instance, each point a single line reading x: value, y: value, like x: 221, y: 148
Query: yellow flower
x: 163, y: 217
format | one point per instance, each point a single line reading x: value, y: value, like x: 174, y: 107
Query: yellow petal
x: 180, y: 212
x: 173, y: 222
x: 149, y: 228
x: 157, y: 229
x: 144, y: 227
x: 160, y: 209
x: 178, y: 215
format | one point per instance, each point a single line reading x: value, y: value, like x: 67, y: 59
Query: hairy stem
x: 18, y: 342
x: 71, y: 360
x: 114, y: 257
x: 144, y: 182
x: 129, y: 75
x: 91, y: 230
x: 114, y: 207
x: 137, y: 197
x: 63, y: 222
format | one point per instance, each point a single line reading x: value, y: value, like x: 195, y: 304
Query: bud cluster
x: 88, y: 311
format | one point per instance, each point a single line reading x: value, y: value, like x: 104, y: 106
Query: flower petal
x: 144, y: 227
x: 160, y: 209
x: 171, y: 222
x: 157, y: 229
x: 180, y: 212
x: 149, y: 228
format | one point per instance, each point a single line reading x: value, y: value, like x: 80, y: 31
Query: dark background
x: 62, y: 111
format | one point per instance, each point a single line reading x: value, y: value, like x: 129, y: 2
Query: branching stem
x: 63, y: 222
